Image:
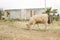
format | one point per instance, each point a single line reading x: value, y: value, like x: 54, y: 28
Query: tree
x: 0, y: 14
x: 54, y: 11
x: 50, y: 18
x: 48, y: 10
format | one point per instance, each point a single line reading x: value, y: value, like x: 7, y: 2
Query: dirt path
x: 22, y: 34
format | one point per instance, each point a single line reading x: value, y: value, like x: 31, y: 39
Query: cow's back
x: 40, y: 17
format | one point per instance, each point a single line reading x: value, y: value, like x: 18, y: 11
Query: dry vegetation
x: 17, y: 30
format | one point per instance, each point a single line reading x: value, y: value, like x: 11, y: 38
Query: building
x: 22, y: 14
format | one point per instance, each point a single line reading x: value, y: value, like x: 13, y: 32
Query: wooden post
x: 32, y: 12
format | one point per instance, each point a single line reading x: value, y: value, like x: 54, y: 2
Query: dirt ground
x: 17, y: 31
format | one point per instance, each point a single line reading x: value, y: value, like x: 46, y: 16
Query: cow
x: 41, y: 18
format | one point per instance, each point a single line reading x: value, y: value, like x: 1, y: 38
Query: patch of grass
x: 5, y: 38
x: 21, y: 25
x: 41, y: 30
x: 56, y: 30
x: 25, y: 28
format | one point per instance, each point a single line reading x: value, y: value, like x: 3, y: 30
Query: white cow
x: 41, y: 18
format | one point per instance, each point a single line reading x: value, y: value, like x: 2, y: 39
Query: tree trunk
x: 50, y: 19
x: 0, y: 17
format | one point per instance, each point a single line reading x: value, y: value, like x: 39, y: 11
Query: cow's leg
x: 46, y: 24
x: 28, y: 26
x: 33, y: 24
x: 38, y: 26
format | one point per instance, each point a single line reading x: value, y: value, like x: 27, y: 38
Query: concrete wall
x: 23, y: 13
x: 14, y: 14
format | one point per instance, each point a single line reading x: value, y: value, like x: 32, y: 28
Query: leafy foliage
x: 48, y: 11
x: 0, y: 14
x: 54, y: 11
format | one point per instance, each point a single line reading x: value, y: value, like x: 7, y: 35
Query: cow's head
x: 28, y: 26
